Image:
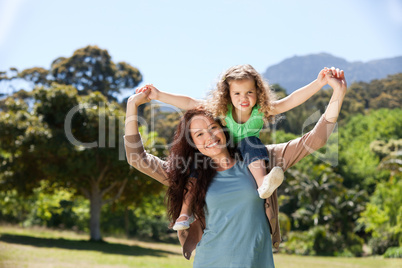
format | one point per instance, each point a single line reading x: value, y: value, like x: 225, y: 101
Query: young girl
x: 244, y: 100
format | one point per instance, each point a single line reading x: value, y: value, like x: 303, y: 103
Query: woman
x: 234, y: 231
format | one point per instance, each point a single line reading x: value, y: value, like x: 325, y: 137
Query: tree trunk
x: 96, y: 206
x: 126, y: 222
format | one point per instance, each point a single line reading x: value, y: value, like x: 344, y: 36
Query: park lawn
x: 42, y: 248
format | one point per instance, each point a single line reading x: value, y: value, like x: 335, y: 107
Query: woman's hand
x: 132, y: 111
x: 153, y: 94
x: 336, y: 79
x: 139, y: 98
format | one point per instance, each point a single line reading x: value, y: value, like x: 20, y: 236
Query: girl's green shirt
x: 252, y: 127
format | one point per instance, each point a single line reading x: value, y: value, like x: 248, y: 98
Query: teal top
x: 237, y: 232
x: 252, y: 127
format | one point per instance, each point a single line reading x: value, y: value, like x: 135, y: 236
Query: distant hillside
x: 298, y: 71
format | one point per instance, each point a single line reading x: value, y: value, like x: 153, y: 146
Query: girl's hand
x: 336, y: 79
x: 322, y: 77
x: 141, y: 97
x: 153, y: 91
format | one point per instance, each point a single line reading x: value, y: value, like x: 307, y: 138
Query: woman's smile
x: 208, y: 136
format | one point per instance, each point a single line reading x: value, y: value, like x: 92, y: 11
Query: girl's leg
x: 255, y: 155
x: 267, y: 183
x: 186, y: 217
x: 259, y: 170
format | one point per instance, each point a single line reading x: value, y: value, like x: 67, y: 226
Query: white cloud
x: 8, y: 13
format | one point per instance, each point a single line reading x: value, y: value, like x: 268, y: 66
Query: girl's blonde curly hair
x: 219, y: 98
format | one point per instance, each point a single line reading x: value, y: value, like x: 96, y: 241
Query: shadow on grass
x: 104, y: 247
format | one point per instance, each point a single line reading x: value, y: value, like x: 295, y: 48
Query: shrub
x: 325, y: 242
x: 353, y: 246
x: 299, y: 243
x: 284, y: 224
x: 320, y: 241
x: 394, y: 252
x: 380, y: 244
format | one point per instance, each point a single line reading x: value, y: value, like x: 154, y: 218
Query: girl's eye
x: 213, y: 127
x: 236, y: 93
x: 199, y: 134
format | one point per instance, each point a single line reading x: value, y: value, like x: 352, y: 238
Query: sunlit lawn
x: 37, y: 247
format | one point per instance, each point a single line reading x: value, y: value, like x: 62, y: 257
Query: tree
x: 390, y: 154
x: 89, y: 69
x: 162, y: 122
x: 383, y: 215
x: 74, y: 142
x: 358, y: 163
x: 20, y: 134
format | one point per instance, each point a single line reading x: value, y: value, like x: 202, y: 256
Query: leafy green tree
x: 383, y: 215
x: 21, y: 133
x: 358, y: 163
x: 315, y: 192
x: 89, y: 69
x: 390, y: 155
x: 162, y: 122
x: 72, y: 141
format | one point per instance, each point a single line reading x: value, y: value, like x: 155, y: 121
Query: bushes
x: 379, y: 245
x: 299, y: 243
x: 393, y: 252
x: 320, y: 241
x: 316, y: 241
x: 383, y: 216
x: 57, y: 208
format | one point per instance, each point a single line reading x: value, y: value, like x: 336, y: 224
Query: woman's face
x: 208, y: 136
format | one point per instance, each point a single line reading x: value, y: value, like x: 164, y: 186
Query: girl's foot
x: 271, y: 181
x: 183, y: 222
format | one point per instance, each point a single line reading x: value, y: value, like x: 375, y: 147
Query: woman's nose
x: 210, y: 134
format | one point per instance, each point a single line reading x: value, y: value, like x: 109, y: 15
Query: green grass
x: 38, y: 247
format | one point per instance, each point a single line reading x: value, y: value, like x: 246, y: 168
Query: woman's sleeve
x: 144, y: 162
x: 287, y: 154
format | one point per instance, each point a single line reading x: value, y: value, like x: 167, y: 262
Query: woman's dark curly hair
x: 183, y: 157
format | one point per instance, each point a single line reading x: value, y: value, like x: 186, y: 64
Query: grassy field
x: 43, y: 248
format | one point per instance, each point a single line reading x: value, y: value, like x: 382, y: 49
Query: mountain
x: 295, y: 72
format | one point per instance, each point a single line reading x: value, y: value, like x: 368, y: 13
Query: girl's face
x: 208, y: 136
x: 243, y: 95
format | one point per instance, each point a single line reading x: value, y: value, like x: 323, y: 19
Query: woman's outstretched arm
x: 287, y: 154
x: 135, y: 153
x: 338, y: 83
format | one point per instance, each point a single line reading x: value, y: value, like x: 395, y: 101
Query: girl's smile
x: 243, y: 95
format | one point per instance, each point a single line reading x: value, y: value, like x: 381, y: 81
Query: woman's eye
x: 199, y: 134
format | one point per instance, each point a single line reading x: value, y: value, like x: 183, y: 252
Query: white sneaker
x: 182, y: 225
x: 271, y: 182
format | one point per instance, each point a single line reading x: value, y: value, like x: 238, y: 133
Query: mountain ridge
x: 297, y: 71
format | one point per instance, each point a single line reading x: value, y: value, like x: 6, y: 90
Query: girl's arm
x: 180, y: 101
x: 301, y: 95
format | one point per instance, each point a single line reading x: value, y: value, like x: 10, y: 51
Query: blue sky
x: 183, y: 46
